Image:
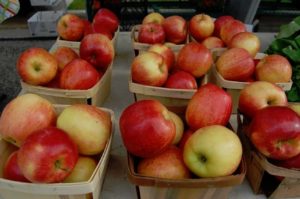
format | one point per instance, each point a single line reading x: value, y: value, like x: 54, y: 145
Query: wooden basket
x: 234, y: 87
x: 194, y: 188
x: 93, y: 96
x: 10, y: 189
x: 76, y: 44
x: 138, y: 46
x: 261, y: 173
x: 175, y: 100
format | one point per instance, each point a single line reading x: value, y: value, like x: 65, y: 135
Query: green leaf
x: 289, y: 29
x: 293, y: 95
x: 292, y: 54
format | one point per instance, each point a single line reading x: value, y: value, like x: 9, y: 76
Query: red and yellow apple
x: 219, y: 22
x: 179, y: 127
x: 175, y: 28
x: 70, y: 27
x: 88, y: 126
x: 258, y: 95
x: 231, y: 28
x: 181, y: 80
x: 153, y: 17
x: 213, y: 42
x: 201, y: 26
x: 64, y: 55
x: 246, y: 40
x: 37, y: 66
x: 166, y: 52
x: 105, y: 20
x: 151, y: 33
x: 210, y: 105
x: 24, y: 115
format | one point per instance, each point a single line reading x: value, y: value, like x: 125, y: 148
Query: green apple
x: 213, y: 151
x: 179, y: 127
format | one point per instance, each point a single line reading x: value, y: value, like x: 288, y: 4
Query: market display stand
x: 116, y: 184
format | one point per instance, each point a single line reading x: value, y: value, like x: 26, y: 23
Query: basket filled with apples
x: 155, y: 28
x: 171, y: 157
x: 269, y: 128
x: 170, y: 77
x: 72, y: 28
x: 66, y: 77
x: 237, y: 66
x: 53, y: 151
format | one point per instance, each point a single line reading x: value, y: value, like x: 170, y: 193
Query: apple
x: 235, y: 64
x: 151, y: 33
x: 54, y: 83
x: 258, y: 95
x: 167, y: 164
x: 147, y: 128
x: 105, y: 19
x: 246, y: 40
x: 181, y: 80
x: 79, y: 74
x: 11, y: 170
x: 275, y: 132
x: 210, y: 105
x: 164, y: 51
x: 231, y: 28
x: 291, y: 163
x: 83, y: 170
x: 219, y: 22
x: 213, y: 151
x: 175, y: 28
x: 89, y: 29
x: 201, y: 26
x: 186, y: 134
x: 47, y: 155
x: 36, y: 66
x: 153, y: 17
x: 274, y: 69
x: 64, y: 55
x: 70, y: 27
x: 179, y: 127
x: 194, y: 58
x: 212, y: 42
x: 150, y: 69
x: 23, y: 115
x: 98, y: 50
x: 88, y: 126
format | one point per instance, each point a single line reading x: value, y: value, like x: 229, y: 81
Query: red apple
x: 54, y: 83
x: 146, y: 128
x: 291, y: 163
x: 175, y: 28
x: 24, y: 115
x: 186, y: 134
x: 153, y: 17
x: 274, y: 69
x: 181, y: 80
x: 79, y: 74
x: 89, y: 29
x: 210, y: 105
x: 37, y: 66
x: 168, y: 164
x: 166, y: 52
x: 151, y: 33
x: 70, y: 27
x: 247, y: 40
x: 213, y: 151
x: 64, y: 55
x: 275, y: 132
x: 105, y: 19
x: 231, y: 28
x: 194, y: 58
x: 201, y: 26
x: 47, y: 155
x: 235, y: 64
x: 258, y: 95
x: 213, y: 42
x: 88, y: 126
x: 11, y: 170
x: 83, y: 170
x: 219, y: 22
x: 98, y: 50
x: 150, y: 69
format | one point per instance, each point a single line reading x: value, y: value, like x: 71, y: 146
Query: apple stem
x: 58, y: 166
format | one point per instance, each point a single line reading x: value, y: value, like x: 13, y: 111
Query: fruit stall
x: 206, y: 110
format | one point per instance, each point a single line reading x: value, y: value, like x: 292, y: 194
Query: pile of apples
x: 51, y: 145
x: 273, y: 125
x: 168, y: 146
